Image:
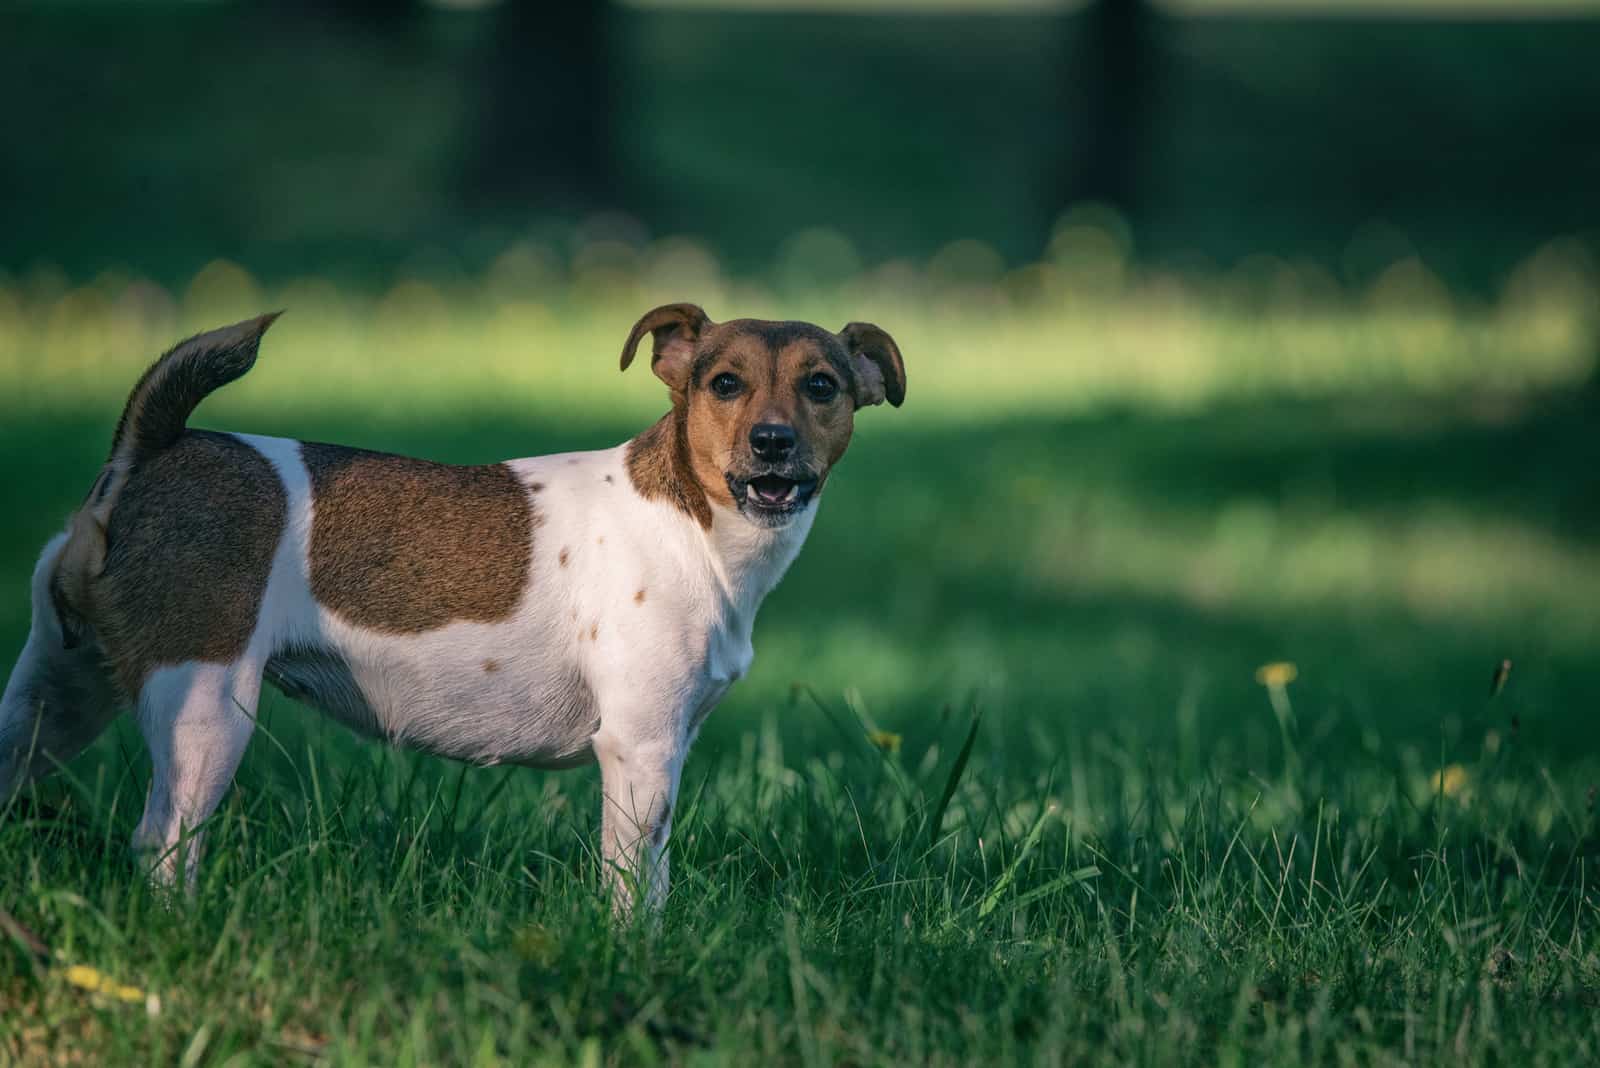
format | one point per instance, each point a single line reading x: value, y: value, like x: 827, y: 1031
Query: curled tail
x: 152, y: 421
x: 170, y: 390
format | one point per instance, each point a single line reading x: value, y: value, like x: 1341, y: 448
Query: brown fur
x: 402, y: 546
x: 189, y: 551
x: 773, y: 360
x: 684, y: 458
x: 152, y: 421
x: 77, y: 565
x: 658, y: 467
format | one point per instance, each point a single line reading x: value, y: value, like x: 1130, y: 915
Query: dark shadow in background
x: 301, y: 138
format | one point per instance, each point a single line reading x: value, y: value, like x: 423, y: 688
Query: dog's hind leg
x: 58, y: 697
x: 197, y: 720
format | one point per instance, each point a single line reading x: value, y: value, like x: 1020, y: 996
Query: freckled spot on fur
x: 573, y: 460
x: 536, y: 486
x: 601, y: 540
x: 609, y: 480
x: 491, y: 666
x: 638, y: 598
x: 563, y: 557
x: 594, y: 632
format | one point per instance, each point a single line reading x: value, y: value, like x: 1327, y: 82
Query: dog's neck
x: 752, y: 559
x: 658, y: 465
x: 748, y: 558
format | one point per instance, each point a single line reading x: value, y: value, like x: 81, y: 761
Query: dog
x: 546, y: 611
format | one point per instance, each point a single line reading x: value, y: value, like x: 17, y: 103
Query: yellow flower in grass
x: 1277, y: 674
x: 81, y: 975
x: 888, y: 741
x: 1449, y: 780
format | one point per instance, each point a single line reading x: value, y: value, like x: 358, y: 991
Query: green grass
x: 1093, y: 522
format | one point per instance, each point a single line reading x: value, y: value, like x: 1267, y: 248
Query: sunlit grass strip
x: 1063, y: 335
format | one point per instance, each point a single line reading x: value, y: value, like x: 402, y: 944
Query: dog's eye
x: 726, y: 385
x: 821, y: 387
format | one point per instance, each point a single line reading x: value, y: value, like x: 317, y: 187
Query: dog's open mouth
x: 771, y: 495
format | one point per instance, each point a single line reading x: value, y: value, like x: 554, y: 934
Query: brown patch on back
x: 658, y: 467
x: 638, y: 598
x: 563, y: 556
x: 403, y: 545
x: 189, y: 550
x: 491, y: 666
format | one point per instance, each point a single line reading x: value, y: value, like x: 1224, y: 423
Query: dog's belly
x: 322, y: 679
x: 488, y: 711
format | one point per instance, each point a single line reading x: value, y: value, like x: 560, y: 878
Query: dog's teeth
x: 750, y: 491
x: 794, y: 491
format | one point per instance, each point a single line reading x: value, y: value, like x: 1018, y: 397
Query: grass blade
x: 992, y: 899
x: 936, y: 821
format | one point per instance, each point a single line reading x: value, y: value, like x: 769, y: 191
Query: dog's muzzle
x: 772, y: 496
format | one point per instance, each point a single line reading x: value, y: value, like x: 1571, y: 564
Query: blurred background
x: 372, y: 139
x: 1237, y: 330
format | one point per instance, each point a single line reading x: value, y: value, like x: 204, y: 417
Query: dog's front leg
x: 639, y: 776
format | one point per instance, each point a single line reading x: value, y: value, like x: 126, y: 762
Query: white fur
x: 516, y: 691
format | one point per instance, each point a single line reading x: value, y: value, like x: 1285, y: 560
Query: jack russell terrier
x: 545, y: 611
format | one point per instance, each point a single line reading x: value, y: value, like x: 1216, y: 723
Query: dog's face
x: 765, y: 409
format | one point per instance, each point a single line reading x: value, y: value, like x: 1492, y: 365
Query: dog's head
x: 764, y: 410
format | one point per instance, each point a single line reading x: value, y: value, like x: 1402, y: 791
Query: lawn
x: 1022, y: 771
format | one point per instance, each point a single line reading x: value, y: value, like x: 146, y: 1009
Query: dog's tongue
x: 772, y: 490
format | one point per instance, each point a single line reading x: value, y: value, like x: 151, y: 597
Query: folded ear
x: 875, y: 358
x: 674, y: 329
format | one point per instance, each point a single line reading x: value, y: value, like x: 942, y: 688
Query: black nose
x: 772, y: 441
